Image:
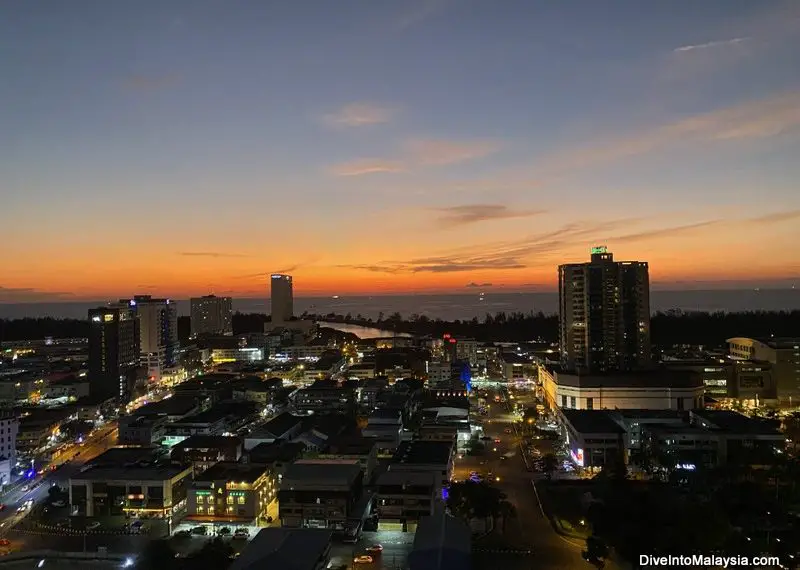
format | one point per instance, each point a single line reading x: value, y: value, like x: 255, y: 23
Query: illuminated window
x: 211, y: 510
x: 200, y: 509
x: 230, y: 509
x: 241, y: 499
x: 108, y: 318
x: 230, y: 499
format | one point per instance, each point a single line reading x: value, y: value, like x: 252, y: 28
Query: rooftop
x: 281, y: 424
x: 411, y: 478
x: 276, y: 451
x: 231, y: 471
x: 284, y: 548
x: 423, y: 452
x: 734, y: 422
x: 130, y: 473
x: 657, y: 378
x: 591, y: 421
x: 174, y: 406
x: 513, y: 358
x: 307, y: 474
x: 221, y: 411
x: 202, y: 441
x: 441, y: 542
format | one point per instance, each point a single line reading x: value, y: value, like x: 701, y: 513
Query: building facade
x: 781, y: 354
x: 157, y: 323
x: 281, y: 298
x: 231, y: 491
x: 113, y: 352
x: 604, y: 314
x: 211, y: 315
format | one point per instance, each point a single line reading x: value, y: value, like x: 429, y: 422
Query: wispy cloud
x: 709, y: 45
x: 474, y: 213
x: 547, y: 249
x: 473, y: 284
x: 211, y: 254
x: 360, y: 115
x: 31, y: 295
x: 420, y: 153
x: 752, y: 120
x: 151, y: 82
x: 776, y: 217
x: 366, y: 166
x: 442, y: 152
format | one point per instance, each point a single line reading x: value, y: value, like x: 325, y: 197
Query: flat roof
x: 634, y: 413
x: 122, y: 456
x: 174, y: 406
x: 306, y: 474
x: 591, y: 421
x: 135, y: 473
x: 284, y: 548
x: 423, y: 452
x: 448, y: 537
x: 280, y: 424
x: 220, y: 412
x: 734, y: 422
x: 656, y: 378
x: 232, y: 471
x: 203, y: 441
x: 407, y: 478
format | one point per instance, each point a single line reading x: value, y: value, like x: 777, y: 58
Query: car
x: 93, y: 525
x: 241, y: 533
x: 58, y: 504
x: 200, y: 530
x: 497, y: 440
x: 363, y: 559
x: 2, y: 506
x: 374, y: 548
x: 506, y: 430
x: 5, y: 542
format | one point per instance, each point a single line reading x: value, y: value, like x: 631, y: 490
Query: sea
x: 452, y: 307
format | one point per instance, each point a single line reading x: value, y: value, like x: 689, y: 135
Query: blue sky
x: 199, y: 130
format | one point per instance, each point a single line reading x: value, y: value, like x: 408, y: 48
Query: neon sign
x: 577, y: 456
x: 599, y: 249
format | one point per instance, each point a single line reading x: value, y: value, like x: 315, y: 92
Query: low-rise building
x: 425, y: 456
x: 284, y: 426
x: 593, y: 438
x: 319, y: 496
x: 286, y: 549
x: 363, y: 371
x: 231, y: 492
x: 129, y: 481
x: 224, y: 417
x: 203, y: 451
x: 141, y: 430
x: 278, y: 456
x: 404, y: 497
x: 659, y: 389
x: 324, y: 395
x: 441, y: 541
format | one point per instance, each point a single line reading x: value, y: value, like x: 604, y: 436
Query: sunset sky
x: 178, y: 147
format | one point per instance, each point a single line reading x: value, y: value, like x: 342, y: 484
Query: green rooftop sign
x: 599, y: 249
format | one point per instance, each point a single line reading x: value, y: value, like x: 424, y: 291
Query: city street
x: 531, y: 528
x: 36, y: 490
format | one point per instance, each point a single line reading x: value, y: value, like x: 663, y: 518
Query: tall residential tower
x: 157, y: 329
x: 604, y: 314
x: 281, y: 298
x: 113, y: 352
x: 211, y: 315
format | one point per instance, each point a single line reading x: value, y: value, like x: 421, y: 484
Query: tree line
x: 668, y: 328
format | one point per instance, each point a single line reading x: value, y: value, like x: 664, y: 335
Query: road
x: 36, y: 490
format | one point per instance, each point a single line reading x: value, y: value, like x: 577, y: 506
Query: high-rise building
x: 604, y: 314
x: 157, y: 330
x: 281, y: 298
x: 211, y: 315
x: 113, y: 352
